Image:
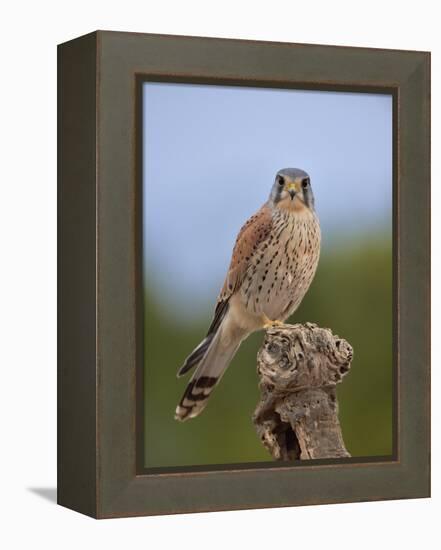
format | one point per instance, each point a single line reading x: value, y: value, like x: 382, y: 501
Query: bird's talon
x: 272, y: 324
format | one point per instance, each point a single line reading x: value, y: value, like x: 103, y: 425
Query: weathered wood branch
x: 299, y: 367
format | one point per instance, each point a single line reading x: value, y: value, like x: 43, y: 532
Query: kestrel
x: 273, y: 264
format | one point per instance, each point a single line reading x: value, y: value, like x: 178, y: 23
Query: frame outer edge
x: 415, y: 239
x: 76, y: 386
x: 121, y: 491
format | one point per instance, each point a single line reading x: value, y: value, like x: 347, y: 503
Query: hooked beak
x: 291, y: 188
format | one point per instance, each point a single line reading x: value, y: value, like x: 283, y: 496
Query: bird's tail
x: 212, y: 357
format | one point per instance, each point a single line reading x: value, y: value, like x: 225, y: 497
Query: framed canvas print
x: 243, y: 274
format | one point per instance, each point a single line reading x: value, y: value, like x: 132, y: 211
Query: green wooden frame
x: 100, y: 323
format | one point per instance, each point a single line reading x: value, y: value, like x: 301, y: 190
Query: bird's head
x: 292, y: 190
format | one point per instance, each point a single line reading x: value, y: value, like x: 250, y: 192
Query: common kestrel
x: 273, y: 263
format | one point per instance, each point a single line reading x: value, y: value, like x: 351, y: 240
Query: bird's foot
x: 267, y: 323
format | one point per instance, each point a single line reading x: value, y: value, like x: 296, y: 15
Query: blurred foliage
x: 351, y: 294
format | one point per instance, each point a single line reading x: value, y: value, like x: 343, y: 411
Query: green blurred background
x: 210, y: 157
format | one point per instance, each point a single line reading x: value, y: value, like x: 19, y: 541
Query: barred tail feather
x: 207, y: 375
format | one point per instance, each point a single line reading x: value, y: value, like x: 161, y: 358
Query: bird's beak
x: 291, y: 188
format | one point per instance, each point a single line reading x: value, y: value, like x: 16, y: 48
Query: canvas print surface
x: 315, y: 168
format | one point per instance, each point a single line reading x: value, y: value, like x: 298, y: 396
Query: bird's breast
x: 283, y: 266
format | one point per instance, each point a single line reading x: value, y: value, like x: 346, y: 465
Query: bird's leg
x: 267, y: 323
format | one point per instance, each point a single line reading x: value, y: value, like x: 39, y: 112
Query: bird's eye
x: 280, y: 180
x: 305, y: 183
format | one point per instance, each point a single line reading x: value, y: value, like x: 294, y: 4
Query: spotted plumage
x: 272, y: 266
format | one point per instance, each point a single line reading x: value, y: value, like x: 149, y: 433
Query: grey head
x: 292, y: 186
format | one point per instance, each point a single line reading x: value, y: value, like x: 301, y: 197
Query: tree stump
x: 299, y: 367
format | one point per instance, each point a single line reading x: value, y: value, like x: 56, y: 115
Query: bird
x: 273, y: 263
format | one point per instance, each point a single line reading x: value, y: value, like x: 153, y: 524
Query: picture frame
x: 100, y: 338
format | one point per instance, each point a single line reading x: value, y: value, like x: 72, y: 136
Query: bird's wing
x: 253, y: 232
x: 256, y: 230
x: 210, y: 358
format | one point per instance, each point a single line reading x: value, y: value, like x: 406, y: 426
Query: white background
x: 29, y: 34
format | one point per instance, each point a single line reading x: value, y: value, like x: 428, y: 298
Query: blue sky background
x: 210, y: 157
